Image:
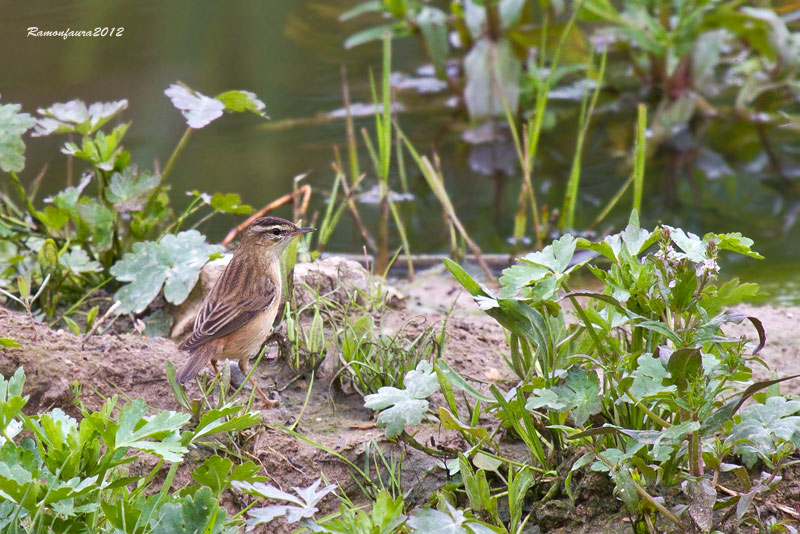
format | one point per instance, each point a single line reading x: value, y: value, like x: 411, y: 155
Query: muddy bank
x: 60, y: 366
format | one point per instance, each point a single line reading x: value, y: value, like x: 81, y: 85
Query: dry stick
x: 351, y: 206
x: 781, y: 507
x: 435, y: 183
x: 38, y: 181
x: 114, y: 307
x: 304, y: 190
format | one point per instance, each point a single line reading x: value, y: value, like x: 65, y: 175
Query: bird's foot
x: 272, y: 401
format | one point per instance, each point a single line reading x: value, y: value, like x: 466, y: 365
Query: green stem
x: 22, y: 194
x: 174, y: 156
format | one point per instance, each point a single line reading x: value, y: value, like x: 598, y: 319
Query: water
x: 290, y: 54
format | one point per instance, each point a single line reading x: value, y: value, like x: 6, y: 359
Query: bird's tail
x: 195, y: 364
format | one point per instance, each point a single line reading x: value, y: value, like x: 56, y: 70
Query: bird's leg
x: 214, y: 366
x: 244, y: 367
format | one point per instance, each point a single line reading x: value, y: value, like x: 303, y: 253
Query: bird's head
x: 273, y: 232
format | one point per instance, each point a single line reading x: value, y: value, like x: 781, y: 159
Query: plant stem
x: 174, y: 156
x: 22, y: 194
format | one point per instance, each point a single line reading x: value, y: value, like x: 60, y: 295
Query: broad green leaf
x: 735, y: 242
x: 404, y: 406
x: 432, y: 23
x: 77, y: 261
x: 488, y: 66
x: 510, y: 12
x: 625, y: 489
x: 100, y: 220
x: 648, y: 378
x: 197, y: 108
x: 74, y: 116
x: 193, y: 514
x: 684, y: 366
x: 694, y: 248
x: 230, y: 203
x: 719, y: 418
x: 239, y: 101
x: 158, y: 324
x: 159, y: 435
x: 173, y: 262
x: 129, y: 190
x: 54, y: 217
x: 217, y: 473
x: 728, y: 294
x: 302, y: 506
x: 580, y: 395
x: 13, y: 125
x: 453, y: 521
x: 764, y: 426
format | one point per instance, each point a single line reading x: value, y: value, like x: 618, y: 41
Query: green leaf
x: 230, y: 203
x: 173, y: 262
x: 463, y: 278
x: 239, y: 101
x: 158, y: 434
x: 158, y: 323
x: 53, y: 217
x: 13, y: 125
x: 735, y: 242
x: 694, y: 248
x: 580, y: 395
x: 729, y: 294
x: 625, y: 489
x: 216, y: 473
x: 684, y: 366
x: 719, y: 418
x: 226, y: 419
x: 451, y: 521
x: 197, y: 108
x: 432, y: 23
x: 370, y: 6
x: 764, y: 426
x: 77, y: 261
x: 302, y: 506
x: 74, y: 116
x: 648, y: 378
x: 9, y: 343
x: 487, y: 66
x: 129, y: 190
x: 100, y: 220
x: 11, y: 399
x: 404, y: 406
x: 375, y: 33
x: 193, y: 514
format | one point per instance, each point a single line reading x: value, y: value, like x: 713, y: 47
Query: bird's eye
x: 276, y: 231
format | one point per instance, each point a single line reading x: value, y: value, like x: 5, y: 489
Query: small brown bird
x: 237, y: 316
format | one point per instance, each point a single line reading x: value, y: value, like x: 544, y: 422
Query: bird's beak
x: 303, y: 230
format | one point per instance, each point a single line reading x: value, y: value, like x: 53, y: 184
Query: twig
x: 304, y: 190
x: 351, y: 206
x: 114, y: 307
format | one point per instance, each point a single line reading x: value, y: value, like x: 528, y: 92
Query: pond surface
x: 290, y: 54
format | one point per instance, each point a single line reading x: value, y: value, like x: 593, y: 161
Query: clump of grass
x: 373, y: 360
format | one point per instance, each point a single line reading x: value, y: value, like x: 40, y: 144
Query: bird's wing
x: 237, y: 298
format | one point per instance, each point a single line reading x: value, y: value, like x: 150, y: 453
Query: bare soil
x: 133, y: 366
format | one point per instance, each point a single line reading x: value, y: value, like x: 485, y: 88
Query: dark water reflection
x: 290, y: 53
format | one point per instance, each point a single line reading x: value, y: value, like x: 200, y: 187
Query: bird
x: 237, y: 315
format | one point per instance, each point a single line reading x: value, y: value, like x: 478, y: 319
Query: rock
x: 335, y: 278
x: 338, y: 279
